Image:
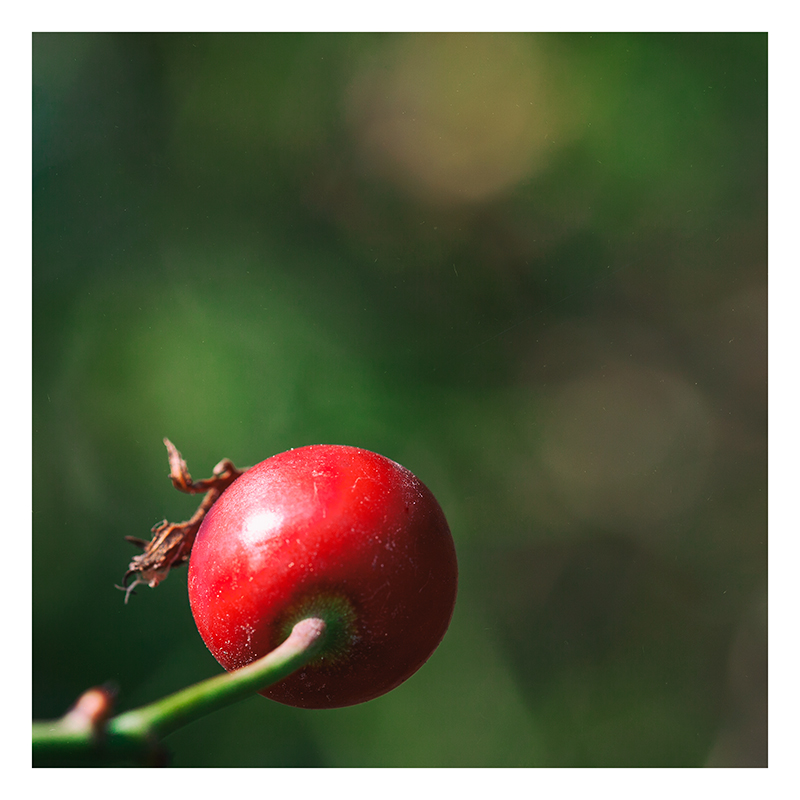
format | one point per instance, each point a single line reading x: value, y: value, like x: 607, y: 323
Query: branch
x: 87, y: 736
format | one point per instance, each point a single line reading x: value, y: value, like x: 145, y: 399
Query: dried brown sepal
x: 172, y: 541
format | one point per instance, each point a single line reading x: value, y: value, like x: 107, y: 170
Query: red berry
x: 329, y: 531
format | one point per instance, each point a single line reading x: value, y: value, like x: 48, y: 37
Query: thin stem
x: 137, y: 733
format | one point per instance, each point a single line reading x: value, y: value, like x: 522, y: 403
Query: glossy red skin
x: 322, y: 524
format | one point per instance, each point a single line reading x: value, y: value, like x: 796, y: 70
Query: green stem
x: 137, y: 734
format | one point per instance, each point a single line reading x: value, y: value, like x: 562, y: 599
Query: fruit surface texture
x: 336, y: 532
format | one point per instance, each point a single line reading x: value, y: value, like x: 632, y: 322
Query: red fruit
x: 329, y: 531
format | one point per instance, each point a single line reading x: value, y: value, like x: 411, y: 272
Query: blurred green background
x: 530, y: 268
